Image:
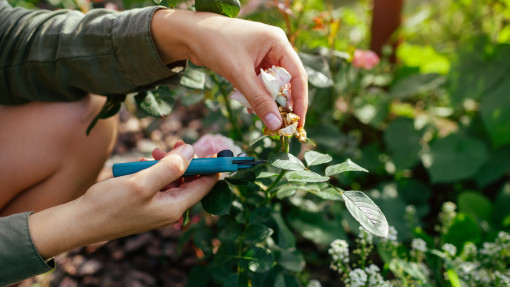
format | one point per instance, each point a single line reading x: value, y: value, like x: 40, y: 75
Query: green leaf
x: 199, y: 276
x: 315, y: 158
x: 260, y: 259
x: 496, y: 167
x: 455, y: 157
x: 417, y: 84
x: 256, y: 233
x: 156, y: 103
x: 193, y: 78
x: 219, y: 200
x: 463, y: 229
x: 329, y: 194
x: 229, y: 8
x: 453, y: 278
x: 366, y: 212
x: 495, y: 111
x: 232, y: 231
x: 403, y: 142
x: 242, y: 177
x: 284, y: 236
x: 260, y: 215
x: 291, y: 260
x: 109, y: 109
x: 318, y: 71
x: 315, y: 226
x: 347, y: 165
x: 501, y: 204
x: 475, y: 204
x: 285, y: 191
x: 286, y: 280
x: 286, y: 161
x: 235, y: 280
x: 305, y: 176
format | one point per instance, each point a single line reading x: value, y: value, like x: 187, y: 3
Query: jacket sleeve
x: 19, y: 259
x: 63, y: 55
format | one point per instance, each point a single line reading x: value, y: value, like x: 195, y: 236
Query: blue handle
x: 197, y: 166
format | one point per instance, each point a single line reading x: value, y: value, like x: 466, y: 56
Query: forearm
x: 64, y: 55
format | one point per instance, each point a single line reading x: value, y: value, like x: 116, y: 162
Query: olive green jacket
x: 62, y: 56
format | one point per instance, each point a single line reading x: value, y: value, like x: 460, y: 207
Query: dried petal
x: 301, y: 134
x: 268, y: 132
x: 289, y: 130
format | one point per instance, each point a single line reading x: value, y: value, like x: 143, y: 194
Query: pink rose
x: 209, y: 145
x: 365, y: 59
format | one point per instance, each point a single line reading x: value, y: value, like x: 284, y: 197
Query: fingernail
x: 273, y: 122
x: 188, y: 151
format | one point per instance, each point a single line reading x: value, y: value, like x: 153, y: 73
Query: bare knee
x: 45, y: 151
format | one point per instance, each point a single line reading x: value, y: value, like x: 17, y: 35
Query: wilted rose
x: 276, y: 81
x: 209, y: 145
x: 365, y: 59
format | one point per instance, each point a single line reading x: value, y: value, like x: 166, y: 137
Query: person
x: 51, y: 63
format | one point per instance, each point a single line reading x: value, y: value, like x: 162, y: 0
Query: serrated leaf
x: 366, y: 212
x: 286, y: 161
x: 456, y: 157
x: 305, y: 176
x: 219, y: 200
x: 347, y: 165
x: 193, y: 78
x: 315, y: 158
x: 285, y: 191
x: 229, y: 8
x: 256, y: 233
x: 156, y: 103
x: 329, y: 194
x: 260, y: 259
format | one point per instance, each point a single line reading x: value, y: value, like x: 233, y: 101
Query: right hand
x: 121, y: 206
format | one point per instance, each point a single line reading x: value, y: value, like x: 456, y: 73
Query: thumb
x: 167, y: 170
x: 261, y: 102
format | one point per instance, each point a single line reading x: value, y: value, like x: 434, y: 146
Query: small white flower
x: 339, y: 251
x: 419, y: 245
x: 469, y: 249
x: 357, y: 278
x: 450, y: 249
x: 392, y: 233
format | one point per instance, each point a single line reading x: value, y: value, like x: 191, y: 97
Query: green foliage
x: 229, y: 8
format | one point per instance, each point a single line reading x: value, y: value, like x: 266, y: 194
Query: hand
x: 236, y: 49
x: 121, y: 206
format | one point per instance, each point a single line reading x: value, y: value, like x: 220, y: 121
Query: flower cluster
x: 339, y: 251
x: 276, y: 81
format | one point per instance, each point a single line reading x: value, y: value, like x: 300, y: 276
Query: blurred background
x: 427, y: 112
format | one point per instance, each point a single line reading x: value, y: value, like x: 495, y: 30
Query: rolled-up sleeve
x: 19, y: 258
x: 63, y: 55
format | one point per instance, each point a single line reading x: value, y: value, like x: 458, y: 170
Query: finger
x: 299, y: 82
x: 261, y: 102
x: 158, y: 154
x: 179, y: 143
x: 167, y: 170
x: 192, y: 192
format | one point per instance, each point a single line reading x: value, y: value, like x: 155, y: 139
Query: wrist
x: 168, y: 32
x: 57, y: 229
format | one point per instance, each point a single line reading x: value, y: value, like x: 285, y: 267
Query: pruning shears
x: 224, y: 162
